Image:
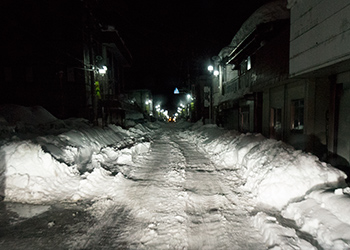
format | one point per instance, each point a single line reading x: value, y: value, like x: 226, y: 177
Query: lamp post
x: 208, y: 90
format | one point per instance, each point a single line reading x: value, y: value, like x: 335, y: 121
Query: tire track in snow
x: 176, y: 199
x: 216, y: 221
x: 157, y: 199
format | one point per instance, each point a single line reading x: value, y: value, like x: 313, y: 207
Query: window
x: 297, y: 116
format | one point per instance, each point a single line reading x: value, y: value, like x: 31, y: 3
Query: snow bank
x: 276, y: 235
x: 31, y: 175
x: 80, y: 163
x: 309, y: 193
x: 325, y: 215
x: 272, y: 171
x: 14, y: 114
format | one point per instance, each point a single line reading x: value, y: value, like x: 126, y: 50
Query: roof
x: 272, y: 11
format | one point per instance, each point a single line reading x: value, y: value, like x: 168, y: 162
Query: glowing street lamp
x: 210, y: 68
x: 102, y: 70
x: 216, y: 72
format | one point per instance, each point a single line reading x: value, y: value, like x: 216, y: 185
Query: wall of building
x: 270, y: 63
x: 343, y: 147
x: 320, y: 54
x: 320, y: 35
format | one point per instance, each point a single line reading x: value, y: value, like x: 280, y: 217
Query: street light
x: 102, y: 70
x: 216, y: 72
x: 210, y: 68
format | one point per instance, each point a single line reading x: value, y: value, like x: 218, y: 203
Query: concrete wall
x: 320, y: 34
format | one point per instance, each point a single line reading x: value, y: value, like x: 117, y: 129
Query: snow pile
x: 68, y: 166
x: 310, y: 193
x: 31, y: 175
x: 14, y: 114
x: 277, y: 235
x: 325, y: 215
x: 272, y: 171
x: 24, y: 122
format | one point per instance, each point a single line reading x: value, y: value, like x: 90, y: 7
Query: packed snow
x: 293, y: 195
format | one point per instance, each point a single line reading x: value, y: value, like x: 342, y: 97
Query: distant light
x: 210, y: 68
x: 216, y: 72
x: 189, y: 96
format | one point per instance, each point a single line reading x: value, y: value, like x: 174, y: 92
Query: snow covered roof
x: 276, y: 10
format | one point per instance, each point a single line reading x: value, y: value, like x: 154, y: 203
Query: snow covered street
x: 176, y: 199
x: 67, y: 185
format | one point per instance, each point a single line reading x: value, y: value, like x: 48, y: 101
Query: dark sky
x: 170, y: 39
x: 171, y: 42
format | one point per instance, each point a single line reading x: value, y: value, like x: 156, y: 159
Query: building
x: 143, y: 99
x: 320, y: 58
x: 58, y: 55
x: 255, y: 61
x: 286, y: 75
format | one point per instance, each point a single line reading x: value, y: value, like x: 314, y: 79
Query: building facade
x: 286, y: 75
x: 255, y: 61
x: 320, y: 56
x: 54, y: 55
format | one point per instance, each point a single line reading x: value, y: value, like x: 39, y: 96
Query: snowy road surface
x: 69, y: 185
x: 174, y: 198
x: 177, y: 200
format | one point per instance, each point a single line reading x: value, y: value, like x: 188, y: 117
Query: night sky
x: 171, y: 40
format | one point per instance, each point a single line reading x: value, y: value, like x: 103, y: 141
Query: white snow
x: 272, y: 11
x: 74, y: 161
